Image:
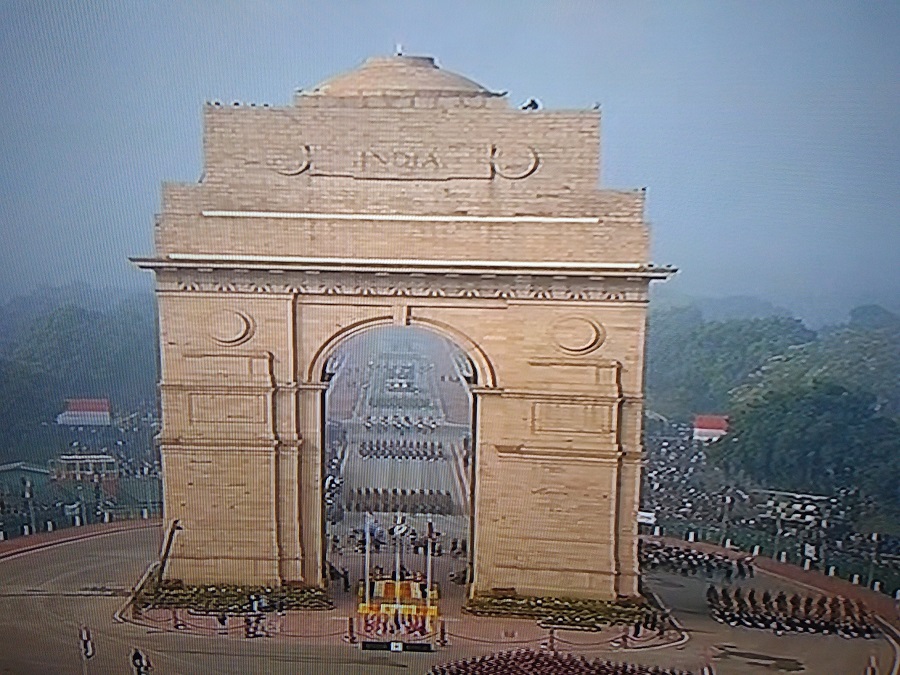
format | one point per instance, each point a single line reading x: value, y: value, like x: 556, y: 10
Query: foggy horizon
x: 767, y: 134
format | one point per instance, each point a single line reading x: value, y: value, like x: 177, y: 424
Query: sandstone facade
x: 402, y: 194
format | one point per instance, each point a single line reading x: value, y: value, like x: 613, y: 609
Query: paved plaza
x: 47, y: 594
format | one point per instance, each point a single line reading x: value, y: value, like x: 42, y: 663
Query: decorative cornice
x: 207, y: 262
x: 429, y: 287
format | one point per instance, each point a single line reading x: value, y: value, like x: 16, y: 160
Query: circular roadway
x: 46, y: 594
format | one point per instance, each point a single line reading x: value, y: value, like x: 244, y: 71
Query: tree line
x: 810, y: 411
x: 66, y: 343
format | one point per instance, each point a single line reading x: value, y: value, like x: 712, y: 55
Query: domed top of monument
x: 399, y: 76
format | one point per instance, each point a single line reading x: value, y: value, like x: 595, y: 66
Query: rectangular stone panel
x: 231, y: 368
x: 548, y: 417
x: 403, y: 161
x: 551, y: 554
x: 601, y: 378
x: 228, y: 408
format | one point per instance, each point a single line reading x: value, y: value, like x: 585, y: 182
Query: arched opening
x: 398, y: 469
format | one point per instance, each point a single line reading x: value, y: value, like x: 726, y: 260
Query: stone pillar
x: 309, y: 416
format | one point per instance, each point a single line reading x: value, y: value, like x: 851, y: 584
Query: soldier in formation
x: 430, y: 451
x: 384, y: 500
x: 795, y: 614
x: 688, y: 561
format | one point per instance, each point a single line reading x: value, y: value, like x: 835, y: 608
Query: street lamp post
x: 873, y: 561
x: 725, y: 516
x: 28, y: 495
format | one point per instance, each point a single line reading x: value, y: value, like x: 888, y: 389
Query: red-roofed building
x: 710, y: 427
x: 82, y: 412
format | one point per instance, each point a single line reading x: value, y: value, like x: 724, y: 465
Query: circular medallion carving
x: 578, y: 335
x: 514, y: 163
x: 294, y: 165
x: 231, y: 328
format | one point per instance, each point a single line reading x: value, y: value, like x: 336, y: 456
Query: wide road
x: 47, y: 594
x: 742, y: 650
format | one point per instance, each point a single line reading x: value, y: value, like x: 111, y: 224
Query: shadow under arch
x: 485, y: 374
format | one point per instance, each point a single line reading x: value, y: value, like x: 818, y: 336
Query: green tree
x: 858, y: 359
x: 92, y: 353
x: 693, y: 364
x: 816, y: 437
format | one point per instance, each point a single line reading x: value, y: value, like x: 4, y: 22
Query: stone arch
x: 484, y: 368
x: 484, y: 378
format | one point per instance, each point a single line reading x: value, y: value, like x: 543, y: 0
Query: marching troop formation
x: 783, y: 614
x: 374, y: 500
x: 401, y: 449
x: 688, y: 561
x: 402, y: 422
x: 545, y: 663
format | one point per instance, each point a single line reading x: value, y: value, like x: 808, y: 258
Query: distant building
x: 13, y: 474
x: 84, y: 467
x: 81, y: 412
x: 710, y: 427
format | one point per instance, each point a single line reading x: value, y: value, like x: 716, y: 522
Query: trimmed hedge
x: 569, y: 613
x: 230, y: 599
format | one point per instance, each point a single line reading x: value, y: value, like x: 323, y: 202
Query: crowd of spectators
x: 680, y: 486
x: 688, y: 493
x: 796, y: 614
x: 547, y: 662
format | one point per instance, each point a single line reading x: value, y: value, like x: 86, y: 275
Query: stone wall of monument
x: 479, y: 163
x: 381, y: 186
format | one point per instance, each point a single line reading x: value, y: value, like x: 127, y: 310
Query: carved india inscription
x: 396, y: 163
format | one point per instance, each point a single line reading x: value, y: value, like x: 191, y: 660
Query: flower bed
x: 223, y: 598
x: 569, y: 613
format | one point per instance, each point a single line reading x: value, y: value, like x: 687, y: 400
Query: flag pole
x: 428, y: 563
x: 368, y: 562
x: 397, y: 564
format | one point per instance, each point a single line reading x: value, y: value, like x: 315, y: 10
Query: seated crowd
x: 545, y: 663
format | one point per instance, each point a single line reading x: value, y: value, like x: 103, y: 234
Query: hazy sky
x: 768, y: 132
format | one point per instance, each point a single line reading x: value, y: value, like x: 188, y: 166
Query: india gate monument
x: 502, y: 295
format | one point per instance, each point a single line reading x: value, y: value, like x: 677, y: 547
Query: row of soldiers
x: 545, y: 663
x: 402, y: 422
x: 401, y: 449
x: 782, y: 614
x: 373, y: 500
x: 655, y: 555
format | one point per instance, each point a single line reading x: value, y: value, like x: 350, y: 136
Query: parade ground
x: 49, y: 592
